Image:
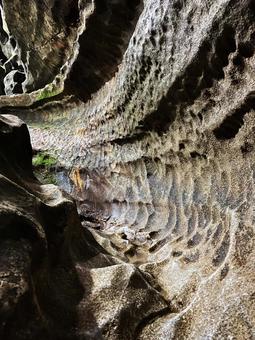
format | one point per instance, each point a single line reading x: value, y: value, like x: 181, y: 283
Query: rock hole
x: 246, y: 148
x: 176, y: 253
x: 246, y: 50
x: 224, y: 272
x: 152, y: 234
x: 238, y: 61
x: 181, y: 146
x: 130, y: 252
x: 232, y: 124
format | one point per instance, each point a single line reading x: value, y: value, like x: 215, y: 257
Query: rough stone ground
x: 149, y: 108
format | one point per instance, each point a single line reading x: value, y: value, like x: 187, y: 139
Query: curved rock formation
x: 149, y: 109
x: 56, y: 281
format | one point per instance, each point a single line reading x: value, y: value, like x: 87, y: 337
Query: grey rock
x: 149, y: 108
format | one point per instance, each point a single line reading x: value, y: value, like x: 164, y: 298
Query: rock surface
x: 56, y: 281
x: 149, y: 108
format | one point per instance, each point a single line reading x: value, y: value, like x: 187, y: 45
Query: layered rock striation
x: 56, y: 281
x: 149, y: 109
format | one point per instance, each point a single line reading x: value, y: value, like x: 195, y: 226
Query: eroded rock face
x: 154, y: 133
x: 56, y: 281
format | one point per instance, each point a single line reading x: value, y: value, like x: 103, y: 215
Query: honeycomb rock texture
x: 149, y: 108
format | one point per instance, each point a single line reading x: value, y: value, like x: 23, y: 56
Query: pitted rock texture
x: 154, y: 134
x: 56, y: 281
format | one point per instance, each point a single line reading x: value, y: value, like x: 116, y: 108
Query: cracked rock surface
x: 149, y: 108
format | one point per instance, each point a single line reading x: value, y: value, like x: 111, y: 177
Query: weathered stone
x: 56, y: 282
x: 154, y: 133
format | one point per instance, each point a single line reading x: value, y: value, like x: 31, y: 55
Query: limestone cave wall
x: 148, y: 107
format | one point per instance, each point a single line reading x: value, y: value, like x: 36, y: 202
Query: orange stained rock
x: 76, y: 178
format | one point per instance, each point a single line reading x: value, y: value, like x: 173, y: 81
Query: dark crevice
x: 238, y: 61
x: 154, y: 315
x: 66, y: 13
x: 176, y: 253
x: 206, y: 68
x: 130, y: 138
x: 246, y: 49
x: 159, y: 245
x: 160, y: 120
x: 102, y: 45
x: 131, y: 252
x: 195, y: 154
x: 194, y: 241
x: 222, y: 251
x: 232, y: 124
x: 150, y: 319
x: 246, y: 148
x: 224, y: 272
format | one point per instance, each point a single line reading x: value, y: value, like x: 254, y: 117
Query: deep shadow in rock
x: 39, y: 228
x: 102, y: 45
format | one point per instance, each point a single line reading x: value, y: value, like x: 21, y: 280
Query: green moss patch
x: 44, y: 168
x: 48, y: 92
x: 43, y: 159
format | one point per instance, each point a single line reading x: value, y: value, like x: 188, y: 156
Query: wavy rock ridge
x: 53, y: 274
x: 151, y: 117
